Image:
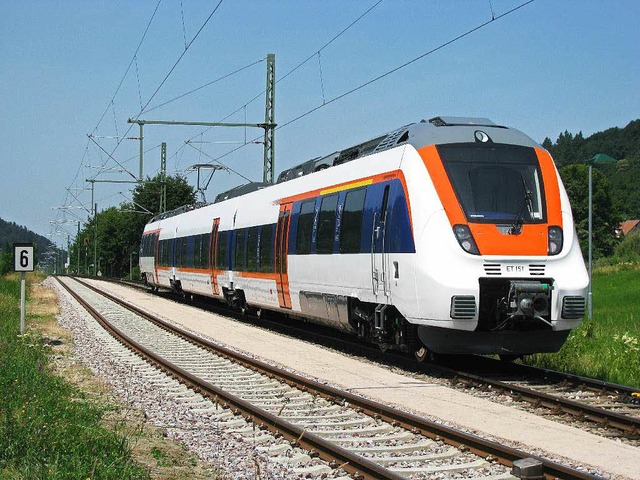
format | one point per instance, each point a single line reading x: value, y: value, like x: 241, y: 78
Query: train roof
x: 177, y: 211
x: 437, y: 131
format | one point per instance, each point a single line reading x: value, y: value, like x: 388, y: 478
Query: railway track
x: 367, y: 439
x: 609, y: 407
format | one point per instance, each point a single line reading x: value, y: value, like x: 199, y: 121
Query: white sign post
x: 23, y: 262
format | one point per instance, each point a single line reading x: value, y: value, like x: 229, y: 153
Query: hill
x: 620, y: 143
x: 11, y: 233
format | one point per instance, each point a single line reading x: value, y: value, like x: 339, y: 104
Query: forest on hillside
x: 623, y: 178
x: 11, y: 232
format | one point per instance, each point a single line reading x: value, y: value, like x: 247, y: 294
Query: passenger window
x: 239, y: 256
x: 305, y: 227
x: 326, y: 224
x: 252, y: 249
x: 204, y: 252
x: 266, y: 248
x: 351, y: 224
x: 197, y: 245
x: 185, y: 256
x: 221, y: 254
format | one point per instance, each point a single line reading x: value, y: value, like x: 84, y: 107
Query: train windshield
x: 495, y: 183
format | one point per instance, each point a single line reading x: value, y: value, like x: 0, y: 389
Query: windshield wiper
x: 527, y: 202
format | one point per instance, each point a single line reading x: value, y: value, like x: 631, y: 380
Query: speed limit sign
x: 23, y: 257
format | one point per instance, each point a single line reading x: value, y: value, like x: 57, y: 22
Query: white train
x: 448, y: 236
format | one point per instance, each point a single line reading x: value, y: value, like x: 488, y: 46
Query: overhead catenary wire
x: 219, y: 162
x: 180, y: 58
x: 166, y: 77
x: 389, y: 72
x: 223, y: 77
x: 406, y: 64
x: 316, y: 52
x: 128, y: 66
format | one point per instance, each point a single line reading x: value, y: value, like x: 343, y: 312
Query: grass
x: 608, y: 346
x: 49, y: 429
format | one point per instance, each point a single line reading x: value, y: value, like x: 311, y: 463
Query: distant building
x: 628, y: 226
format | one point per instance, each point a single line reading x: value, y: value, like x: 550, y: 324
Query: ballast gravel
x: 356, y: 375
x: 236, y: 448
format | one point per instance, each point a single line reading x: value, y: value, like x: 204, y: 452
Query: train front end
x: 501, y: 271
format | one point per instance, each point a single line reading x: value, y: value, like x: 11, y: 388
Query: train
x: 448, y: 236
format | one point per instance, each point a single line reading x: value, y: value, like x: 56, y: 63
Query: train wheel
x: 422, y: 354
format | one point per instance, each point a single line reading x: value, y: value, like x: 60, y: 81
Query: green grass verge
x: 48, y: 429
x: 608, y: 346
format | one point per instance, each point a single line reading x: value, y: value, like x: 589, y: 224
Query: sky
x: 73, y: 72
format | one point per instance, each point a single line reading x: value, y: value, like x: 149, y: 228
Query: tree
x: 605, y: 216
x: 119, y: 229
x: 179, y: 192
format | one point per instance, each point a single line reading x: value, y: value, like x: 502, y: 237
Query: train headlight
x: 465, y: 239
x: 555, y: 240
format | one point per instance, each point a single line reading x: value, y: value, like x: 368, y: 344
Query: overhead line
x: 204, y: 86
x: 168, y: 74
x: 406, y: 64
x: 180, y: 57
x: 218, y: 161
x: 129, y: 66
x: 330, y: 41
x: 335, y: 37
x: 379, y: 77
x: 311, y: 56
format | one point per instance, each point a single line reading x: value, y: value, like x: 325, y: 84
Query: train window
x: 177, y: 256
x: 165, y: 252
x: 326, y: 224
x: 351, y: 224
x: 240, y: 251
x: 197, y: 251
x: 190, y: 251
x: 252, y: 249
x: 305, y: 227
x: 204, y: 251
x: 496, y: 184
x: 183, y: 249
x: 221, y: 254
x: 266, y: 248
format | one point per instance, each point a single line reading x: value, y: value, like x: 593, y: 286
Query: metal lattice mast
x: 270, y: 121
x: 163, y: 178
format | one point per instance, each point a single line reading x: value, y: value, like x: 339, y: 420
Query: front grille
x: 492, y: 269
x: 536, y: 269
x: 463, y: 306
x: 573, y: 307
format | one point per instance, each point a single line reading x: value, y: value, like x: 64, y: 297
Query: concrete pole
x: 590, y: 293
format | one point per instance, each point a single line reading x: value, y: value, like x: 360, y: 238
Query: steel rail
x: 627, y: 424
x: 354, y: 464
x: 416, y: 424
x: 601, y: 416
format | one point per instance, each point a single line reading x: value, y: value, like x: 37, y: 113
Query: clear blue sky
x: 548, y: 67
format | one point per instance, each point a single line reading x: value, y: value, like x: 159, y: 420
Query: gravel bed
x: 496, y: 396
x: 242, y: 452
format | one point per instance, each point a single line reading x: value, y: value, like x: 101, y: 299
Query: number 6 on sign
x: 23, y: 257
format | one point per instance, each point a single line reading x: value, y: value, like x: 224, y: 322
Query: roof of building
x: 630, y: 225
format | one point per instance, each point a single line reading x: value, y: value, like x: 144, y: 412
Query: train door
x: 379, y: 256
x: 213, y: 251
x: 156, y: 257
x: 281, y: 254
